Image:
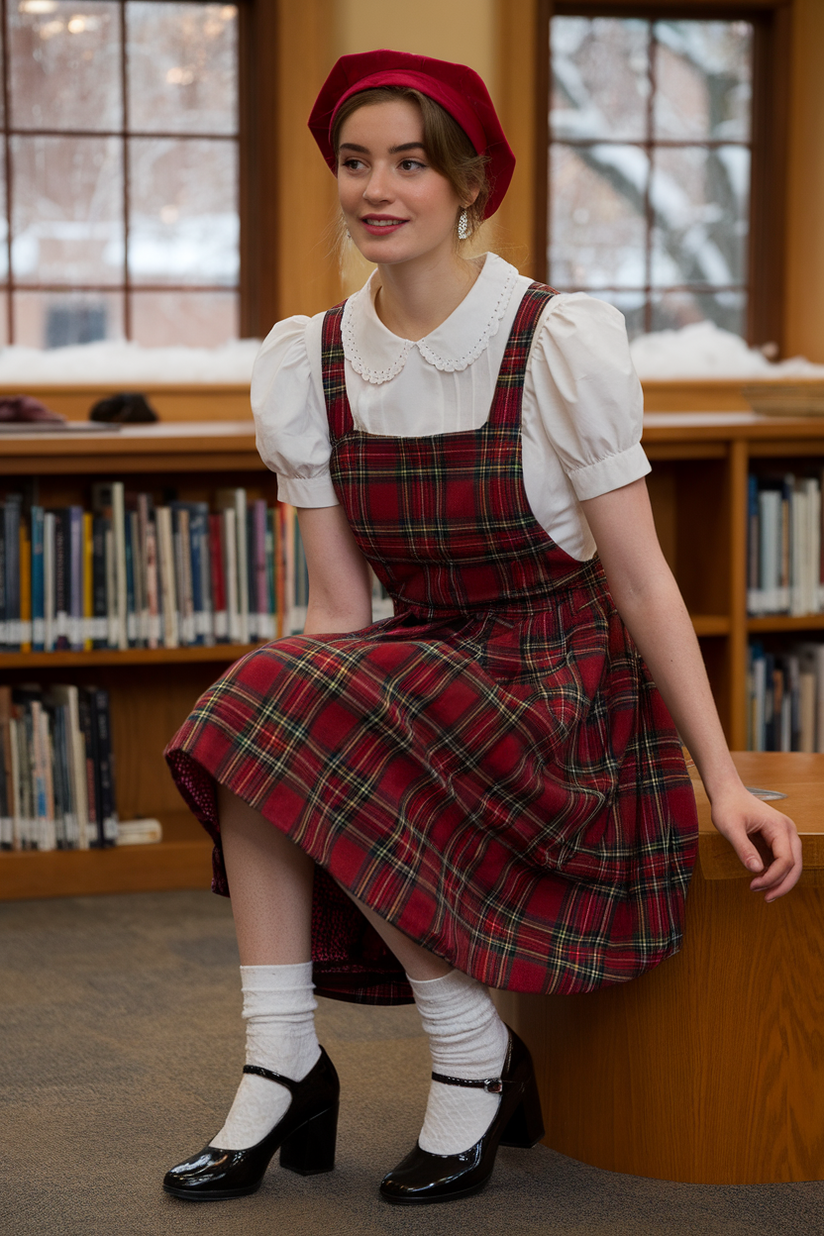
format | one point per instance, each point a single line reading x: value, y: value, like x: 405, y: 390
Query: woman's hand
x: 765, y: 840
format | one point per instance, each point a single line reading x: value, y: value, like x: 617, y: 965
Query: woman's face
x: 397, y: 207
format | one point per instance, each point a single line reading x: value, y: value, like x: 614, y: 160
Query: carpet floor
x: 121, y: 1050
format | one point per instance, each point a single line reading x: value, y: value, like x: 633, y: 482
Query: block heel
x: 305, y: 1137
x: 423, y: 1177
x: 526, y: 1124
x: 311, y: 1149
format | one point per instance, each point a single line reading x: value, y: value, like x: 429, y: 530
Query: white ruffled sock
x: 467, y: 1039
x: 279, y: 1007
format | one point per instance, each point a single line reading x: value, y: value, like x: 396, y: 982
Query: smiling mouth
x: 371, y: 222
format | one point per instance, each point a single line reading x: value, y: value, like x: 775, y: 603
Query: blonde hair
x: 447, y: 146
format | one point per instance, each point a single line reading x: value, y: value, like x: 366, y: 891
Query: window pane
x: 196, y: 320
x: 701, y: 202
x: 67, y: 209
x: 64, y: 65
x: 600, y: 78
x: 184, y: 221
x: 57, y: 319
x: 703, y: 78
x: 728, y: 309
x: 182, y: 67
x: 597, y: 216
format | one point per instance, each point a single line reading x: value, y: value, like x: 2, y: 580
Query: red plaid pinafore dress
x: 492, y: 769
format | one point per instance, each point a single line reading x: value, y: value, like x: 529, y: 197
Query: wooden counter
x: 710, y: 1068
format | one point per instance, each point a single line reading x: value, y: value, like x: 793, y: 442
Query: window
x: 650, y: 167
x: 120, y: 130
x: 698, y: 192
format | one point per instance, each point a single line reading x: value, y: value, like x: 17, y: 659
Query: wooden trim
x: 768, y: 205
x: 518, y: 57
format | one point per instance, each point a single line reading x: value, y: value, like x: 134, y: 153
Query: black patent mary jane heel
x: 305, y: 1136
x: 423, y: 1177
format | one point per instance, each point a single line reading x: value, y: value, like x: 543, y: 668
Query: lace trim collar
x: 378, y: 356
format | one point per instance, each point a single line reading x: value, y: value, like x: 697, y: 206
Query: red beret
x: 458, y: 89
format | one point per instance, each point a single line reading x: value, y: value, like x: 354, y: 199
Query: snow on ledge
x: 703, y: 350
x: 127, y: 365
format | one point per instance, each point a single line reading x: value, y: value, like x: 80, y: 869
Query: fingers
x: 784, y: 871
x: 768, y: 845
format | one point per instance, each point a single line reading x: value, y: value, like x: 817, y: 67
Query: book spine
x: 75, y: 573
x: 153, y: 632
x: 230, y: 565
x: 88, y: 581
x: 168, y: 590
x: 105, y: 764
x: 61, y: 580
x: 49, y: 577
x: 242, y: 564
x: 218, y: 579
x: 87, y: 728
x: 132, y: 578
x: 38, y: 633
x: 6, y: 760
x: 120, y: 579
x: 25, y: 588
x: 11, y: 521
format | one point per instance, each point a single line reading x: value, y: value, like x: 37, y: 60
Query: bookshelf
x: 701, y: 462
x: 151, y: 690
x: 698, y: 485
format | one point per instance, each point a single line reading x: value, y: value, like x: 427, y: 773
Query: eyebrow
x: 392, y: 149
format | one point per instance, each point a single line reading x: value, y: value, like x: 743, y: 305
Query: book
x: 67, y: 697
x: 38, y: 620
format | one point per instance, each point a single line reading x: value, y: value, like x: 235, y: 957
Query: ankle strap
x: 288, y: 1082
x: 493, y: 1085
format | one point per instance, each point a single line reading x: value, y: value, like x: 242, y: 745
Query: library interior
x: 164, y: 206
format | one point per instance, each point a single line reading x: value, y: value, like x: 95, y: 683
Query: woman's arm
x: 648, y: 600
x: 340, y: 590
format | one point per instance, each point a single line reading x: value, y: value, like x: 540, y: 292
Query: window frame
x: 770, y: 126
x: 125, y: 134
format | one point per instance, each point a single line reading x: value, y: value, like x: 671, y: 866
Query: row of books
x: 786, y: 698
x: 56, y: 769
x: 785, y: 568
x: 133, y: 573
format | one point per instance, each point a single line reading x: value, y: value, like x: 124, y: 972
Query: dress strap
x: 506, y: 402
x: 334, y: 374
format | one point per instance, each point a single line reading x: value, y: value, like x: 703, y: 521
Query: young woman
x: 487, y: 789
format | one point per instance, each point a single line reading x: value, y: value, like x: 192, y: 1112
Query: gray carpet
x: 121, y: 1048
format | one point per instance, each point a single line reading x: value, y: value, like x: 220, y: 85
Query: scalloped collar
x: 378, y: 356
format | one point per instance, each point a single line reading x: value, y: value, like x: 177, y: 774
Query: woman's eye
x: 352, y: 164
x: 409, y: 165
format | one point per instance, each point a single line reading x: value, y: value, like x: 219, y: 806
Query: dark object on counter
x: 127, y: 407
x: 25, y: 409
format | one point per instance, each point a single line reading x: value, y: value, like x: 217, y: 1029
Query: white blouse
x: 582, y: 405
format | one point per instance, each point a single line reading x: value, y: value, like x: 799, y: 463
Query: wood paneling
x: 804, y: 317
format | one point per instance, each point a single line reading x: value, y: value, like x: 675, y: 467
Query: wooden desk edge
x: 798, y: 775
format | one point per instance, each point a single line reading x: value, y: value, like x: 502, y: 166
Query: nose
x: 377, y: 188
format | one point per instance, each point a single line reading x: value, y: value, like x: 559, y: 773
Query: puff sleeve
x: 292, y: 431
x: 588, y: 394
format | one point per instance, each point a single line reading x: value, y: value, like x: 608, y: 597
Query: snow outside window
x: 649, y: 167
x: 120, y: 175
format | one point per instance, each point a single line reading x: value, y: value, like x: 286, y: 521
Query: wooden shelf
x: 220, y: 653
x: 786, y: 622
x: 181, y: 860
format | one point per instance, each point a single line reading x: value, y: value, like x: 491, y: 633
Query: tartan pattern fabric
x: 492, y: 769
